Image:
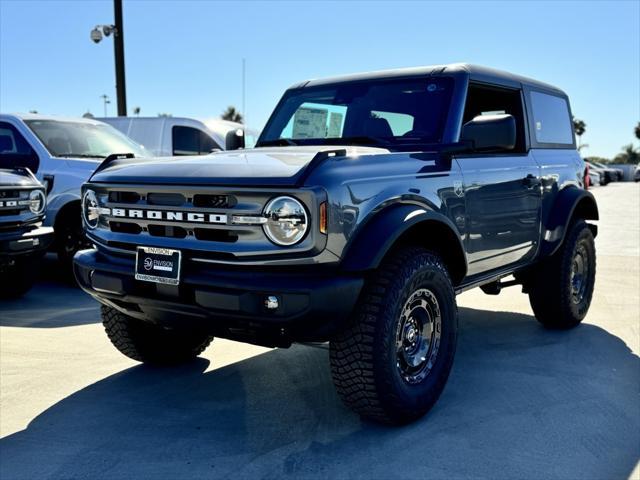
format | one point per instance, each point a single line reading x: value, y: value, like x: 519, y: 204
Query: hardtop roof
x: 474, y: 72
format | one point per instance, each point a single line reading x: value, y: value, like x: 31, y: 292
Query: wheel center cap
x: 411, y: 334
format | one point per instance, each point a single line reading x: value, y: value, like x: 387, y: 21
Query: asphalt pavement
x: 521, y: 402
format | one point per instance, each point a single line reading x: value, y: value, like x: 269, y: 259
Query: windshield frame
x: 132, y: 147
x: 390, y: 143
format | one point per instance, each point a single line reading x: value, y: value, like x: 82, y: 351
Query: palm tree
x: 579, y: 127
x: 637, y: 131
x: 629, y: 155
x: 232, y: 115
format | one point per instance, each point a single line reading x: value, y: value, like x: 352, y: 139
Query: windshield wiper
x: 80, y: 155
x: 277, y: 142
x: 359, y: 139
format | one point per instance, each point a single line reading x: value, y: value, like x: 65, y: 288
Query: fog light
x: 271, y: 302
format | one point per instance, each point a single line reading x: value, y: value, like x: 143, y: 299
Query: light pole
x: 105, y: 99
x: 118, y: 50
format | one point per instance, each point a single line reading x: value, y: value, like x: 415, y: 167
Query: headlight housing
x: 287, y: 221
x: 90, y: 209
x: 37, y: 202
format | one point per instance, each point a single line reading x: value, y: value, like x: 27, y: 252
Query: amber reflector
x: 323, y: 217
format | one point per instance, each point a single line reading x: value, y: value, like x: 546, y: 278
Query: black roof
x: 474, y: 72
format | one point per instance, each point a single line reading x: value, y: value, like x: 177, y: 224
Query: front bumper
x: 228, y: 302
x: 25, y: 242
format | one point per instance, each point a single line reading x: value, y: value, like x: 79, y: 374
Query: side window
x: 191, y: 141
x: 15, y: 151
x: 490, y: 100
x: 551, y: 120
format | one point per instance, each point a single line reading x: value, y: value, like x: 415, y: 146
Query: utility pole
x: 244, y: 110
x: 118, y: 46
x: 106, y: 101
x: 117, y: 29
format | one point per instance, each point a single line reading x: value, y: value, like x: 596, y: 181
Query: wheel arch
x: 571, y: 203
x: 403, y: 225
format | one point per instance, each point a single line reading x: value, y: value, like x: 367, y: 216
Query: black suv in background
x: 23, y: 239
x: 369, y: 203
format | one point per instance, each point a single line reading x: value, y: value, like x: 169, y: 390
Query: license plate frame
x: 158, y: 265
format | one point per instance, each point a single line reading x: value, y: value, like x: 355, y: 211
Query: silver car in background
x: 67, y: 150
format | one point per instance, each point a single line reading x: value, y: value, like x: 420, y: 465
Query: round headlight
x: 90, y: 209
x: 287, y: 221
x: 37, y: 201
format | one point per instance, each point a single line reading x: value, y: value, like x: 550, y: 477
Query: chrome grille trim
x: 224, y: 242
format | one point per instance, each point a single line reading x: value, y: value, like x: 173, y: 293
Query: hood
x: 277, y: 166
x: 16, y: 178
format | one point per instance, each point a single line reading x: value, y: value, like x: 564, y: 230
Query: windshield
x: 388, y: 113
x: 83, y: 140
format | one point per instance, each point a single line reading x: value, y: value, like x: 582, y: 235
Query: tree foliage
x: 232, y: 115
x: 579, y: 126
x: 629, y: 155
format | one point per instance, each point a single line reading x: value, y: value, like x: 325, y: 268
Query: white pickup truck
x: 177, y: 136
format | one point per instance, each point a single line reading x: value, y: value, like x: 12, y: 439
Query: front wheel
x: 562, y: 286
x: 70, y: 238
x: 150, y: 343
x: 18, y: 277
x: 392, y: 363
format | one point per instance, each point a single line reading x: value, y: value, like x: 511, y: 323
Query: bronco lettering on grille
x: 170, y: 216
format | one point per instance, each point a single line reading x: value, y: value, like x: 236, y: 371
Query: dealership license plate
x: 159, y: 265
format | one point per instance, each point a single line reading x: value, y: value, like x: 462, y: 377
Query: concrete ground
x: 521, y: 402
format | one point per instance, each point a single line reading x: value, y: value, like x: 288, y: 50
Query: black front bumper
x: 228, y: 302
x: 25, y: 241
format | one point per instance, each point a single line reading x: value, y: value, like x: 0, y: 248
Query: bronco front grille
x: 196, y: 220
x: 13, y: 201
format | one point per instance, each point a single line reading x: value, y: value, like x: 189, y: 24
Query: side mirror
x: 234, y: 140
x: 490, y: 132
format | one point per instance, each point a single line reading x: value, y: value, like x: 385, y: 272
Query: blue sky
x: 184, y: 57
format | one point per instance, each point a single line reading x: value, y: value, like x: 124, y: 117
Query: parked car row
x: 61, y: 153
x: 600, y: 174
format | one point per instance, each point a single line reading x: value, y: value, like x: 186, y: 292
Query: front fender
x: 57, y: 203
x: 375, y: 239
x: 570, y: 202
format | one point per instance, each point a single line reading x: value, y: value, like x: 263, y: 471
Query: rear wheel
x: 562, y: 287
x: 150, y: 343
x: 392, y: 363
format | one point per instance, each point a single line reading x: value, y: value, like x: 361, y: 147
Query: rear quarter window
x: 551, y: 119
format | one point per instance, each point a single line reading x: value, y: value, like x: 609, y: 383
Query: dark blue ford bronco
x: 23, y: 239
x: 369, y: 202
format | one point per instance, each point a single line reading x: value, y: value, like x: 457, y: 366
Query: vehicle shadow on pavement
x: 522, y: 402
x: 54, y: 302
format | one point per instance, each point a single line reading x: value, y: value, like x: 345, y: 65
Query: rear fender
x: 570, y: 203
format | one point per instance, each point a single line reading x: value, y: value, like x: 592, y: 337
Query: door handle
x: 531, y: 181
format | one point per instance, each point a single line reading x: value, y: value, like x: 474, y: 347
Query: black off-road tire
x: 69, y: 238
x: 17, y: 279
x: 150, y: 343
x: 553, y: 296
x: 364, y: 359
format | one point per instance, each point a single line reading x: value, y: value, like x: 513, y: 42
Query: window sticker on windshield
x: 310, y: 123
x: 335, y: 125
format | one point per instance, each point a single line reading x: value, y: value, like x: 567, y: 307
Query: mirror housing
x: 490, y: 132
x: 234, y: 140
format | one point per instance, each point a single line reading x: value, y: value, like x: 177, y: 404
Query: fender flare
x: 375, y: 238
x: 569, y: 202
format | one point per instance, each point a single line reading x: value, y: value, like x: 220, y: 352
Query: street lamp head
x: 96, y: 35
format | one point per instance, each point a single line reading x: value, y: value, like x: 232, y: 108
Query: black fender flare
x: 570, y: 202
x: 376, y: 238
